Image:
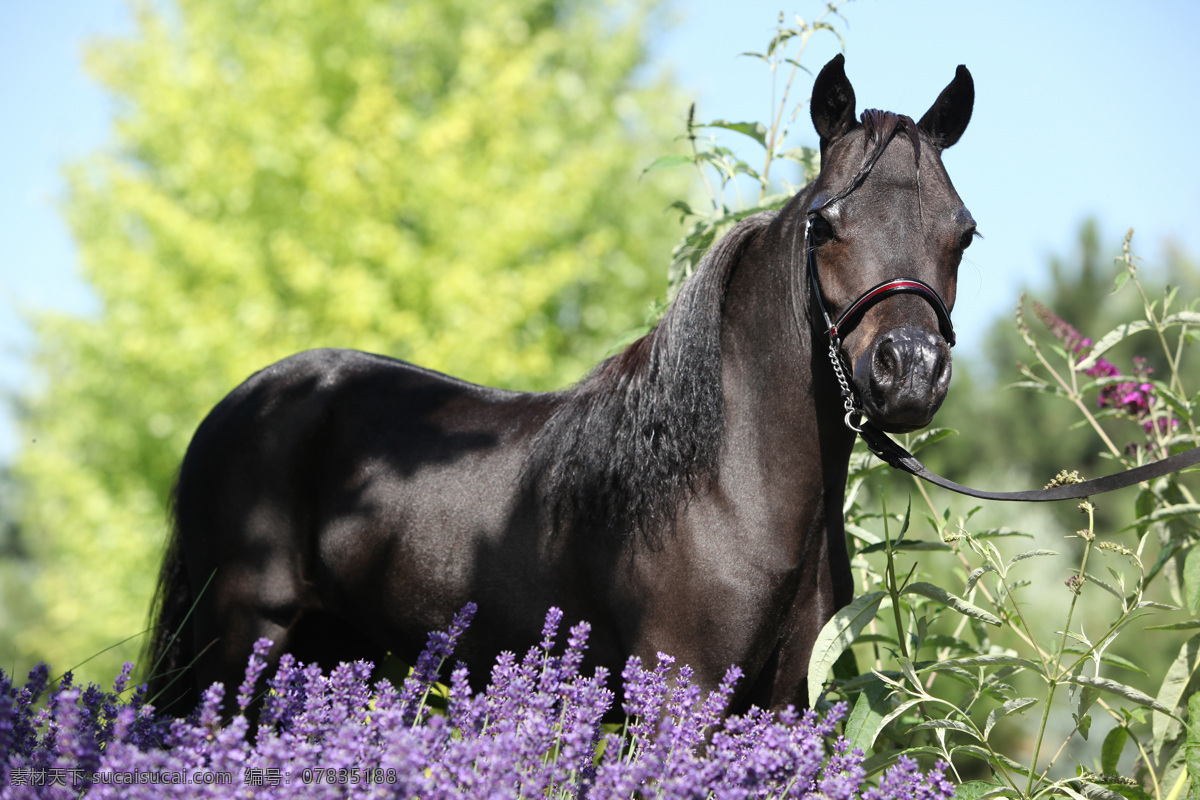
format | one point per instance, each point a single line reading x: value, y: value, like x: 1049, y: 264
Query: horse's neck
x: 782, y: 402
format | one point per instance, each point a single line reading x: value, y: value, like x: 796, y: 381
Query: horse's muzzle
x: 902, y: 378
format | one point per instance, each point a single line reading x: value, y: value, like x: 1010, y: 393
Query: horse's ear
x: 832, y: 101
x: 947, y: 118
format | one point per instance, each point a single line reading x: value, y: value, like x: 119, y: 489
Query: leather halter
x: 896, y: 456
x: 854, y: 312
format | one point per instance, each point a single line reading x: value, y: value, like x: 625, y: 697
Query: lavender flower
x: 905, y: 780
x: 254, y: 669
x: 535, y: 731
x: 438, y: 647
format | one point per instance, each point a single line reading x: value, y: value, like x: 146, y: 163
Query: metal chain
x: 848, y: 398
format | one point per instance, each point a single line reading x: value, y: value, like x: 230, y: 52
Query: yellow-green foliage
x: 446, y: 181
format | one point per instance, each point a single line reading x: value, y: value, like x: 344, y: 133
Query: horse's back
x: 324, y: 432
x: 340, y: 480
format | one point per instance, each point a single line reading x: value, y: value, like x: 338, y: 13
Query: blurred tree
x: 449, y: 182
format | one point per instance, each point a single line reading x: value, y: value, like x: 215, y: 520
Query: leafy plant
x: 724, y: 173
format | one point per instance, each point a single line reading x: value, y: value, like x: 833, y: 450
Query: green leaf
x: 862, y: 534
x: 1039, y: 387
x: 1174, y: 687
x: 898, y: 710
x: 1113, y: 687
x: 755, y: 130
x: 996, y: 660
x: 1122, y: 277
x: 1186, y: 625
x: 1175, y: 775
x: 1167, y: 513
x: 866, y: 719
x: 1182, y: 318
x: 1144, y: 506
x: 1093, y: 791
x: 669, y: 162
x: 981, y: 790
x: 1127, y: 792
x: 1011, y: 707
x: 1191, y: 580
x: 1178, y: 404
x: 910, y: 672
x: 1088, y: 695
x: 838, y: 634
x: 996, y: 533
x: 780, y: 38
x: 685, y: 209
x: 1083, y: 724
x: 975, y: 575
x: 1030, y: 554
x: 951, y: 601
x: 991, y: 757
x: 1110, y: 340
x: 928, y: 437
x: 808, y: 157
x: 948, y: 725
x: 1112, y: 660
x: 906, y: 544
x: 1110, y: 750
x: 1192, y: 741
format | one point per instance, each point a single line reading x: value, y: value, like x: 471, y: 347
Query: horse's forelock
x: 880, y: 127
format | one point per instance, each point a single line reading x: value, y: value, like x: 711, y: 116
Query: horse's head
x: 885, y: 234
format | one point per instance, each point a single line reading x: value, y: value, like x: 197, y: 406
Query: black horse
x: 685, y: 497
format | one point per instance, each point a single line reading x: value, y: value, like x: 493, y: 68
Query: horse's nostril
x: 888, y: 365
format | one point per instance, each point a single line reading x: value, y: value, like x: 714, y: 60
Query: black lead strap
x: 896, y: 456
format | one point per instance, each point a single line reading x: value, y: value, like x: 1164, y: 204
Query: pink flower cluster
x: 1132, y: 397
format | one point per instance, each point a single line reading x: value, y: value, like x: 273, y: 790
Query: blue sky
x: 1082, y: 108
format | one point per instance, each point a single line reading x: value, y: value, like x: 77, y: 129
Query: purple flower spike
x: 1133, y: 398
x: 254, y: 669
x: 550, y: 629
x: 1072, y: 339
x: 122, y: 681
x: 527, y: 735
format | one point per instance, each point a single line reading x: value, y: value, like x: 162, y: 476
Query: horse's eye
x: 820, y: 230
x: 967, y: 238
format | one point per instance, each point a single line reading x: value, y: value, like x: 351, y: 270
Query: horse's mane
x: 628, y: 442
